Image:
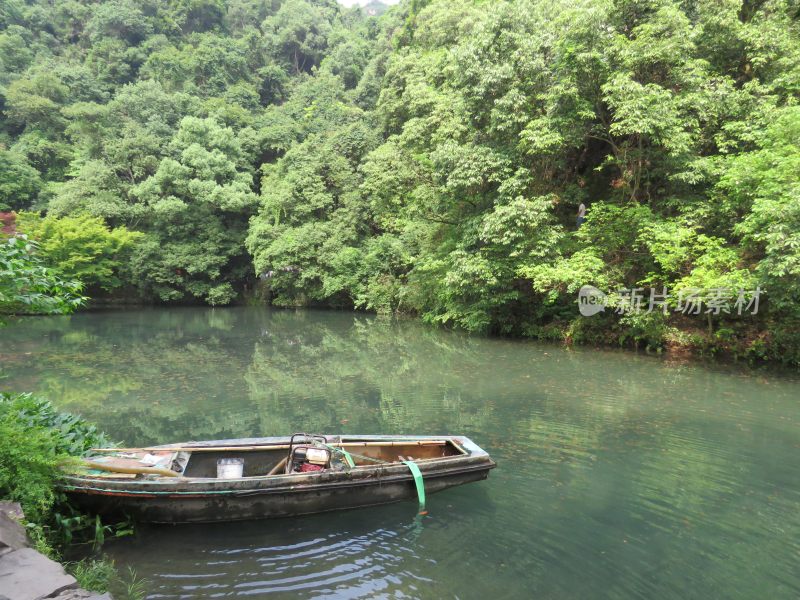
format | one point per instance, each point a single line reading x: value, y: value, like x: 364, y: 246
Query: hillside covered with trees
x: 430, y: 160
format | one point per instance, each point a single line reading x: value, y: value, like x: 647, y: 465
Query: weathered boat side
x: 188, y: 499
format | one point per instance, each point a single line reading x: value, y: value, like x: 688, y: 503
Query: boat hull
x: 203, y: 500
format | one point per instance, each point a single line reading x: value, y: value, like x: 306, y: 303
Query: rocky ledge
x: 25, y: 574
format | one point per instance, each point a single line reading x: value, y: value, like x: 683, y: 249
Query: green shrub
x: 28, y: 465
x: 83, y: 247
x: 28, y: 286
x: 35, y: 441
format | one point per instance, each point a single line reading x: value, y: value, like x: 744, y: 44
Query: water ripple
x: 620, y: 475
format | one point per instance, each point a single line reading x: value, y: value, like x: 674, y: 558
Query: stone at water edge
x: 27, y: 575
x: 13, y: 509
x: 79, y: 594
x: 12, y: 533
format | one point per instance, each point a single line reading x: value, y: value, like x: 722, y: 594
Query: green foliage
x: 36, y: 442
x: 429, y: 161
x: 198, y: 200
x: 27, y: 286
x: 36, y: 439
x: 298, y: 33
x: 29, y: 464
x: 121, y: 19
x: 498, y: 120
x: 102, y: 575
x: 130, y: 586
x: 93, y: 575
x: 19, y: 182
x: 83, y: 247
x: 766, y: 182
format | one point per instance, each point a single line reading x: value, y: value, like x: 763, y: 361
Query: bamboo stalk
x: 272, y: 447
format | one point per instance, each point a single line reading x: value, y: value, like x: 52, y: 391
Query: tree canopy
x: 430, y: 160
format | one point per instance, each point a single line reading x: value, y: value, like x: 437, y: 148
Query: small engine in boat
x: 306, y: 459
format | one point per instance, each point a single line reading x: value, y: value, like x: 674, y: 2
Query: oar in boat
x: 276, y: 469
x: 255, y: 448
x: 132, y: 469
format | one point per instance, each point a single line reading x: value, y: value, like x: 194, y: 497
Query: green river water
x: 619, y: 475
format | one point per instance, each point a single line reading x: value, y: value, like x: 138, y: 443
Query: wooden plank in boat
x: 107, y: 475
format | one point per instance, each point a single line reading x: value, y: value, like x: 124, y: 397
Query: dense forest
x: 430, y: 160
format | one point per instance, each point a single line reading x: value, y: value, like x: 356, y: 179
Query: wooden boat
x: 278, y: 477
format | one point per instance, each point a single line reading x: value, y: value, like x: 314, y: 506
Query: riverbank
x: 26, y: 574
x: 754, y: 343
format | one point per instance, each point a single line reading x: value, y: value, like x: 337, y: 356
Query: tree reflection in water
x: 619, y: 474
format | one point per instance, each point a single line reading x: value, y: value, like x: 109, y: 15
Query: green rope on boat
x: 418, y: 482
x: 351, y: 463
x: 347, y: 456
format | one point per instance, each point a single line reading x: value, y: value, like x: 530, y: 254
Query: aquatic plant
x: 101, y: 574
x: 94, y: 575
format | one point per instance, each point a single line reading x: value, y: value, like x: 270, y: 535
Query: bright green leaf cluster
x: 83, y: 247
x: 28, y: 286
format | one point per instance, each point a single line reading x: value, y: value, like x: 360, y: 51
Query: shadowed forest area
x: 430, y: 160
